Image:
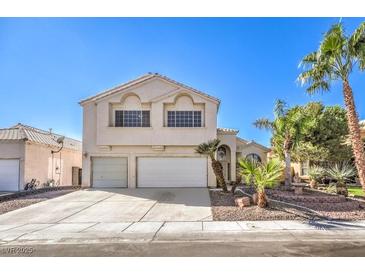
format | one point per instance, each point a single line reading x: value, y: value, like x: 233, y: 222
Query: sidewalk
x: 59, y: 233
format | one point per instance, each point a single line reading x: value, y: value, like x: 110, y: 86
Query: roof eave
x: 141, y: 80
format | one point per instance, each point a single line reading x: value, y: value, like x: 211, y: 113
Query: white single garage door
x: 171, y: 172
x: 109, y: 172
x: 9, y: 175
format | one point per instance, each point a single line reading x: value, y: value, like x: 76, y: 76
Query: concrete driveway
x: 117, y: 206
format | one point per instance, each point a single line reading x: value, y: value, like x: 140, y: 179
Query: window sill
x: 185, y: 127
x: 130, y: 127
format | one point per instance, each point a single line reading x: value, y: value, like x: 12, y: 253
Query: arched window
x: 222, y: 154
x: 253, y: 157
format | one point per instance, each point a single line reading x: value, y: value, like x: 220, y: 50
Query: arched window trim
x: 253, y: 157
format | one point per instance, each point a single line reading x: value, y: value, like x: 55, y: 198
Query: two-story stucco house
x: 144, y: 133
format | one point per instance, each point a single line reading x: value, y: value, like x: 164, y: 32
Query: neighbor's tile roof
x: 140, y: 80
x: 28, y: 133
x: 227, y: 130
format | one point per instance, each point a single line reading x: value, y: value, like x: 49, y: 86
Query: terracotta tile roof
x: 35, y: 135
x: 227, y: 130
x: 140, y: 80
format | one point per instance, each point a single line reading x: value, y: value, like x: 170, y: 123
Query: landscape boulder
x: 242, y: 202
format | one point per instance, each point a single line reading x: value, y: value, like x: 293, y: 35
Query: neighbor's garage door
x: 172, y: 172
x: 9, y: 175
x: 109, y: 172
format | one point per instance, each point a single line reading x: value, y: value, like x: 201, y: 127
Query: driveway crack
x: 144, y: 215
x: 158, y: 230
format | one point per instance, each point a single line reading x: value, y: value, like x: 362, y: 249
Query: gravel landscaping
x: 23, y: 201
x: 224, y: 209
x: 331, y: 206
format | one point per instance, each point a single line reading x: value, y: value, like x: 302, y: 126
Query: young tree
x: 287, y: 129
x: 210, y: 149
x: 324, y: 139
x: 335, y: 60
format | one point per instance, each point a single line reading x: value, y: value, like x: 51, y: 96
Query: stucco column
x: 86, y: 171
x: 233, y: 163
x: 132, y: 171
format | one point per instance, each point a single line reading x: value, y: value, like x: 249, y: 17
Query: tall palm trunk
x: 354, y: 129
x: 287, y: 159
x: 218, y: 172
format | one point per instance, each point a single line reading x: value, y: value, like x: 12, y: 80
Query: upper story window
x: 132, y: 118
x: 184, y: 118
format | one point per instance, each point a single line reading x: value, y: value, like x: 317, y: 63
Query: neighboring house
x: 302, y: 168
x: 26, y: 154
x: 144, y: 134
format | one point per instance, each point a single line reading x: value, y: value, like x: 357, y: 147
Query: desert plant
x: 341, y: 173
x: 335, y: 59
x: 261, y: 176
x: 316, y: 174
x: 331, y: 188
x: 210, y: 149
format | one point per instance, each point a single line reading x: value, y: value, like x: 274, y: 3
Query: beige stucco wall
x: 158, y: 134
x: 251, y: 148
x: 38, y: 163
x: 14, y: 150
x: 101, y: 138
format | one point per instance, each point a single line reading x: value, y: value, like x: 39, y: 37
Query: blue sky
x: 48, y: 65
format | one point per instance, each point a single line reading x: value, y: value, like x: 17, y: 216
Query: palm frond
x: 318, y: 86
x: 263, y: 123
x: 280, y: 108
x: 208, y: 148
x: 309, y: 59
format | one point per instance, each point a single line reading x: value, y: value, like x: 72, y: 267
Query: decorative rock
x: 241, y: 202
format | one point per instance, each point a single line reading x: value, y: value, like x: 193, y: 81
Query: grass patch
x: 356, y: 190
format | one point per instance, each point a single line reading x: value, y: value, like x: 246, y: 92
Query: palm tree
x: 334, y: 60
x: 210, y: 149
x: 286, y: 128
x: 341, y: 173
x: 261, y: 176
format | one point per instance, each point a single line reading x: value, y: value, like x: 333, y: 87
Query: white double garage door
x: 150, y: 171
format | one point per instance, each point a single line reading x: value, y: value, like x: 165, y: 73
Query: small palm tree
x: 335, y: 59
x: 286, y: 128
x: 261, y: 176
x: 247, y: 169
x: 341, y: 173
x: 316, y: 174
x: 210, y: 149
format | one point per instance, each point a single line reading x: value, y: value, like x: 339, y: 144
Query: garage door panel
x: 172, y: 172
x: 9, y: 175
x: 110, y: 172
